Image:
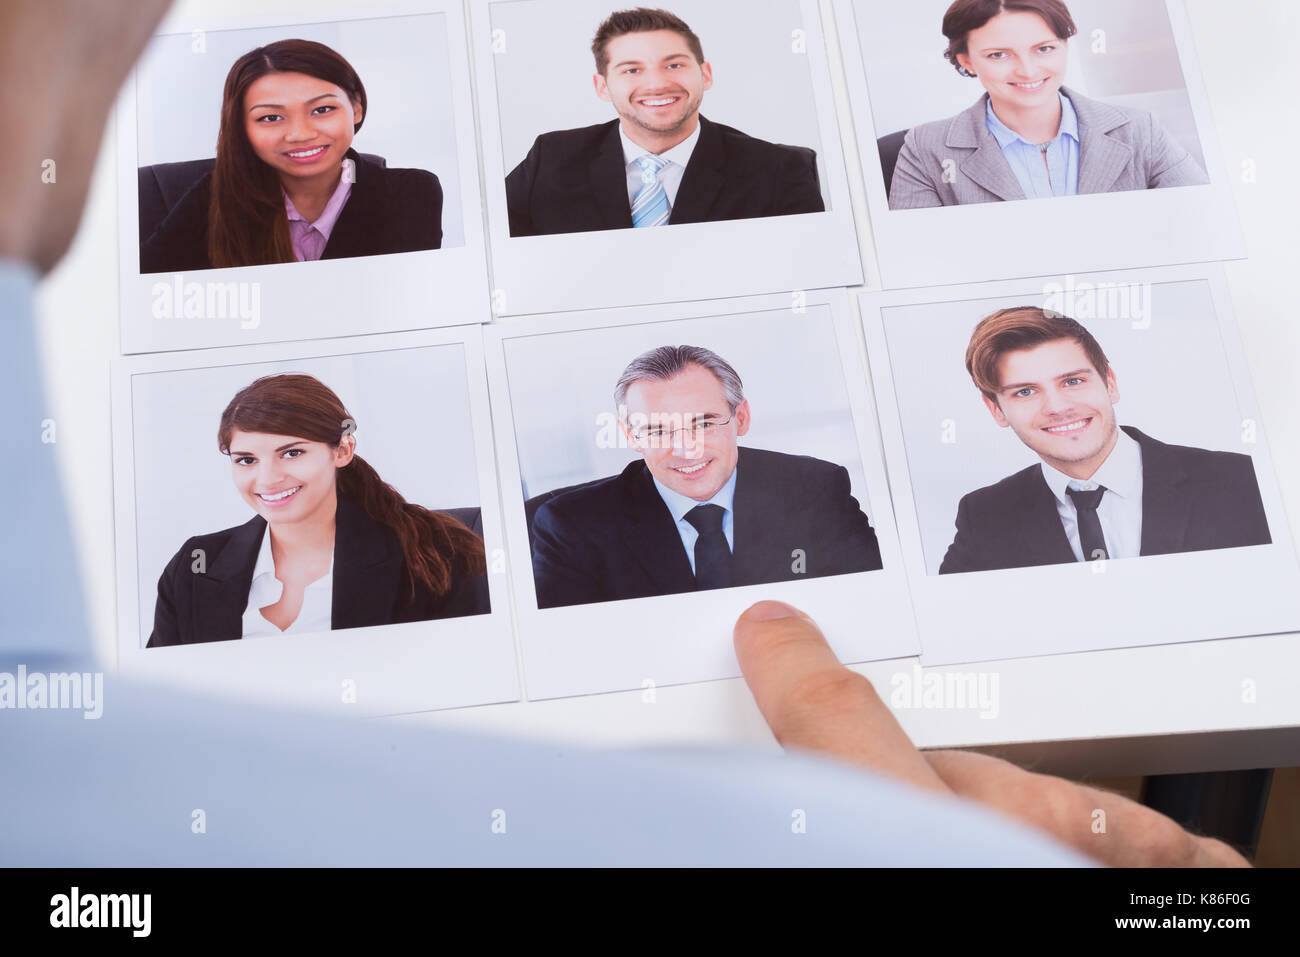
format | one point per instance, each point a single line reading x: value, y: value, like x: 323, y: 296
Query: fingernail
x: 771, y: 611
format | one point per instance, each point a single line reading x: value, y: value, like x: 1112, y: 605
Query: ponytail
x: 434, y: 544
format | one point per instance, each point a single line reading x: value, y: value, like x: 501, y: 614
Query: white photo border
x: 584, y: 649
x: 1203, y: 595
x: 764, y: 255
x: 324, y: 298
x: 1089, y: 233
x: 397, y: 669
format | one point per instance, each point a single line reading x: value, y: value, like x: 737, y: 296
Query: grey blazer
x: 1120, y: 148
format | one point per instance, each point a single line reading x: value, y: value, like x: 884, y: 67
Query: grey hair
x: 665, y: 362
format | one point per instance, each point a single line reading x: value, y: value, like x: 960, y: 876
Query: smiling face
x: 298, y: 125
x: 694, y: 466
x: 656, y: 86
x: 1019, y: 59
x: 1058, y: 405
x: 287, y: 479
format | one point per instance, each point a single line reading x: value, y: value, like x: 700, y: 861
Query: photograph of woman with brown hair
x: 331, y: 545
x: 1028, y: 136
x: 286, y: 184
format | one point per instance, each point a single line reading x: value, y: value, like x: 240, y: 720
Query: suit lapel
x: 359, y: 223
x: 702, y: 182
x: 1101, y: 157
x: 1041, y: 538
x: 221, y: 593
x: 608, y: 177
x: 1166, y: 507
x: 650, y: 534
x: 987, y: 166
x: 367, y: 570
x: 755, y: 547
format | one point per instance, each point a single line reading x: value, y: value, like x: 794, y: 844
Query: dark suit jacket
x: 369, y: 586
x: 575, y: 181
x: 388, y: 211
x: 615, y: 538
x: 1192, y: 500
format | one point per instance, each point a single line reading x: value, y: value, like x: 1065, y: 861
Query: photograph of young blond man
x: 660, y: 162
x: 1100, y: 490
x: 697, y: 510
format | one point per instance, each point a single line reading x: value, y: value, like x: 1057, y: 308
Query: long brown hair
x: 434, y: 544
x: 247, y: 224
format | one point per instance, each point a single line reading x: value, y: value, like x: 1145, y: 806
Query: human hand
x: 61, y: 65
x: 813, y: 703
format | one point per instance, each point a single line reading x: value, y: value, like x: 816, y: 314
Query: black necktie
x: 712, y: 555
x: 1090, y: 536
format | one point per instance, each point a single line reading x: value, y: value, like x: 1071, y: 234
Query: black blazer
x: 388, y: 211
x: 575, y: 181
x: 369, y: 587
x: 615, y: 538
x: 1192, y: 500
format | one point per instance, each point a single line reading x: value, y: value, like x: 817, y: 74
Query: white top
x: 670, y: 175
x: 317, y: 598
x: 1120, y: 509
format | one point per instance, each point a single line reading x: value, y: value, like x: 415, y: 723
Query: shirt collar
x: 1121, y: 473
x: 265, y: 561
x: 679, y: 154
x: 1006, y: 136
x: 324, y: 223
x: 680, y: 504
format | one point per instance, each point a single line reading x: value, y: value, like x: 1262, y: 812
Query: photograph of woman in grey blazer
x: 1029, y: 136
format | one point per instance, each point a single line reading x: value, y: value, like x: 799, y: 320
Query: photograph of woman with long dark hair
x: 287, y: 184
x: 331, y: 546
x: 1028, y: 136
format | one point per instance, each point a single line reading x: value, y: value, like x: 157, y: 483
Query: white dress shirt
x: 680, y: 504
x: 317, y: 598
x: 670, y: 175
x: 1120, y: 509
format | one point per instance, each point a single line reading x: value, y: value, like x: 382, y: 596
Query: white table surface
x: 1155, y: 709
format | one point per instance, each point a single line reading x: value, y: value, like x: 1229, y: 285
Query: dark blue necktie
x: 712, y: 554
x: 1090, y: 537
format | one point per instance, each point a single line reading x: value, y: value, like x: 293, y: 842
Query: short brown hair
x: 967, y: 15
x: 1023, y: 327
x: 640, y: 20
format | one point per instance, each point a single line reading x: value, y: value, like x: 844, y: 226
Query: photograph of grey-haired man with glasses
x: 696, y: 511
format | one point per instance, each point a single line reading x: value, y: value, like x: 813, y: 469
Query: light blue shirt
x: 680, y: 504
x: 278, y: 788
x: 1060, y: 177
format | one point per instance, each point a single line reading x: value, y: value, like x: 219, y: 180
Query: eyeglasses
x: 655, y: 436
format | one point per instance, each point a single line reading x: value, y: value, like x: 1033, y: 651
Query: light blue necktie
x: 650, y: 207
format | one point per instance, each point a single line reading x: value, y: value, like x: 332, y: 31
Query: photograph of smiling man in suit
x: 1101, y: 490
x: 696, y: 511
x: 660, y: 162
